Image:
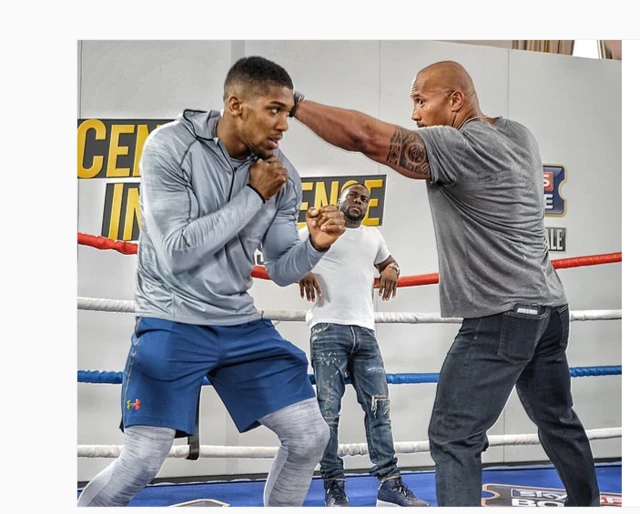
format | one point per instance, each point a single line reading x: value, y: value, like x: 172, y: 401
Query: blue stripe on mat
x: 362, y: 489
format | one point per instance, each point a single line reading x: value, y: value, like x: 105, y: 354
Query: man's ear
x: 457, y: 101
x: 234, y: 105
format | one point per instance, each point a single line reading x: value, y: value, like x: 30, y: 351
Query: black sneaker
x: 394, y: 493
x: 334, y: 495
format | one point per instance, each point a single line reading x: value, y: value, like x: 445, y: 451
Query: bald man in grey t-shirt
x: 486, y: 199
x: 484, y: 182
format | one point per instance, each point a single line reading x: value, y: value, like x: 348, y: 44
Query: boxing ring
x: 503, y: 485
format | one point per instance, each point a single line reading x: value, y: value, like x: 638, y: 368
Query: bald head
x: 443, y: 94
x: 446, y: 76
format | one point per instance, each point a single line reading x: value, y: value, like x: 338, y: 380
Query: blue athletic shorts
x: 253, y: 369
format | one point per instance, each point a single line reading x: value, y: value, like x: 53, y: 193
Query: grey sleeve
x: 287, y: 257
x: 183, y: 240
x: 447, y: 152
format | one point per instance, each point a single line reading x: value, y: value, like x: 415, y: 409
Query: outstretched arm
x: 397, y: 147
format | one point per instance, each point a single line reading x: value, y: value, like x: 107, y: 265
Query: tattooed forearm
x: 407, y: 149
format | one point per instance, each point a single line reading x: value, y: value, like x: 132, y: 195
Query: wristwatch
x: 394, y: 266
x: 297, y: 98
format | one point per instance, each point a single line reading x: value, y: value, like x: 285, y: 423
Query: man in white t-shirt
x: 344, y: 345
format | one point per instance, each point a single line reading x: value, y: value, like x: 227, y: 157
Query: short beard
x: 253, y: 149
x: 353, y: 219
x: 264, y: 156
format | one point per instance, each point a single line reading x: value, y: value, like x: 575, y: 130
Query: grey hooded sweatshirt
x: 202, y: 223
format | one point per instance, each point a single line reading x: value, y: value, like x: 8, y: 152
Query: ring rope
x: 183, y: 451
x: 107, y: 305
x: 104, y: 243
x: 115, y: 377
x: 268, y: 452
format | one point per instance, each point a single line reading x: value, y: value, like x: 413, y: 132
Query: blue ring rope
x: 115, y: 377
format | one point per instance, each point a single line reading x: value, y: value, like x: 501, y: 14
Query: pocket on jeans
x: 565, y: 321
x: 520, y: 334
x: 318, y: 329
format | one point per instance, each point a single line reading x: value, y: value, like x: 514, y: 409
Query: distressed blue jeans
x: 489, y: 356
x: 338, y: 352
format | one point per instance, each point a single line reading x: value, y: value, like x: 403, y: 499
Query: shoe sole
x: 382, y: 503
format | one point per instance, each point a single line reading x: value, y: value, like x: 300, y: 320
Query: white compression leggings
x: 145, y: 450
x: 303, y: 435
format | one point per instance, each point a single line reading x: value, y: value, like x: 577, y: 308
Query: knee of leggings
x: 147, y: 447
x: 146, y: 464
x: 311, y: 444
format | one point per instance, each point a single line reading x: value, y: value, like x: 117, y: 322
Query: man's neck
x: 225, y: 131
x: 473, y: 115
x: 467, y: 117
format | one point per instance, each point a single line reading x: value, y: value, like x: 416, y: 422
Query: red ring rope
x: 104, y: 243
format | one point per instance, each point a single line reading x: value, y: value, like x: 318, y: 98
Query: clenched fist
x: 325, y: 226
x: 268, y: 176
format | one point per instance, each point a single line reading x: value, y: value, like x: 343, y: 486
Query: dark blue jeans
x: 338, y: 352
x: 490, y: 356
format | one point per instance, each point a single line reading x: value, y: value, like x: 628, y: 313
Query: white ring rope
x: 182, y: 451
x: 268, y: 452
x: 106, y: 305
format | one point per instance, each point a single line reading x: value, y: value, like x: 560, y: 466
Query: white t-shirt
x: 346, y: 275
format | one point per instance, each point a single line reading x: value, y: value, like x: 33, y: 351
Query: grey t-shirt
x: 486, y: 198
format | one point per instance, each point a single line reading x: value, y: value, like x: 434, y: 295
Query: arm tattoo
x: 407, y: 149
